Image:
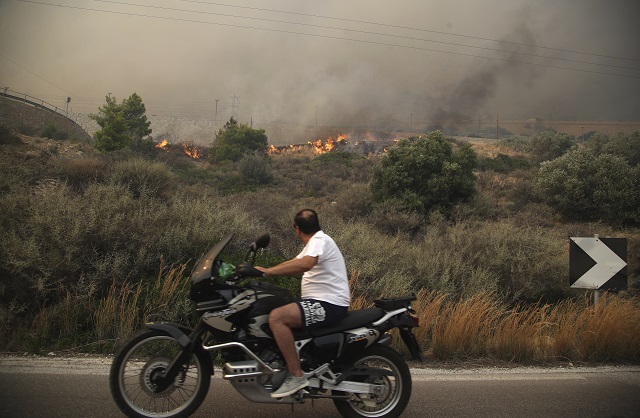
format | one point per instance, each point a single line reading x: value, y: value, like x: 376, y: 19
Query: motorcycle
x: 165, y: 370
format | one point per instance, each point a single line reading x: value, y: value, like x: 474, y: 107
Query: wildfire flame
x: 319, y: 146
x: 329, y: 145
x: 189, y: 148
x: 192, y: 150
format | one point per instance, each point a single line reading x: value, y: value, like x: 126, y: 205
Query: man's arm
x: 293, y: 267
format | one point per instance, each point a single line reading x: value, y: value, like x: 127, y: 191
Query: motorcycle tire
x: 145, y: 355
x: 393, y: 399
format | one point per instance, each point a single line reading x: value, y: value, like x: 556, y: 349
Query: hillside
x: 31, y: 120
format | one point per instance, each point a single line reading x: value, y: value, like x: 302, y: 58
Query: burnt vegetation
x: 89, y: 237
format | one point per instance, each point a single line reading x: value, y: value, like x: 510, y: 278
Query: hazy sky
x: 346, y: 61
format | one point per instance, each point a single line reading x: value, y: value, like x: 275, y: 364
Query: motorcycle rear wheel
x: 138, y: 361
x: 393, y: 399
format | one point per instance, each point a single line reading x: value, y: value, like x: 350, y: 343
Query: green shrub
x: 503, y: 163
x: 549, y: 145
x: 80, y: 172
x: 391, y: 217
x: 143, y: 177
x: 425, y: 175
x: 355, y: 201
x: 623, y: 145
x: 542, y: 146
x: 254, y: 168
x: 52, y: 132
x: 585, y: 186
x: 234, y: 140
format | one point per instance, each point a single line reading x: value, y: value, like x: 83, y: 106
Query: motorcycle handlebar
x: 247, y: 270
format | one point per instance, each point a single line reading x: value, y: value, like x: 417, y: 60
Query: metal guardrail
x: 34, y: 101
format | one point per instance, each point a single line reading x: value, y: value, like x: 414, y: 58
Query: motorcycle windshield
x: 202, y: 270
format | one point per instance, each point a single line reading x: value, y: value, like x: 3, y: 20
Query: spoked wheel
x: 134, y: 378
x: 393, y: 387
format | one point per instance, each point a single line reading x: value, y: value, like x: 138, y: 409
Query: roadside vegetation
x: 94, y: 244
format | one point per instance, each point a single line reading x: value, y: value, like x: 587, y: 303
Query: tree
x: 626, y: 146
x: 587, y: 186
x: 548, y: 145
x: 122, y: 125
x: 235, y: 140
x: 425, y: 174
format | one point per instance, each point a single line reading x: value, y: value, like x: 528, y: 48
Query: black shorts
x: 318, y: 314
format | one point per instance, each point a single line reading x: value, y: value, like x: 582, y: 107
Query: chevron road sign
x: 598, y: 263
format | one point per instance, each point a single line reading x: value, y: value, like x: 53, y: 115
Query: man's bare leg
x: 281, y: 320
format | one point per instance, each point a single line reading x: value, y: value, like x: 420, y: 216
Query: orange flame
x: 162, y: 145
x: 319, y: 146
x: 329, y: 145
x: 192, y: 150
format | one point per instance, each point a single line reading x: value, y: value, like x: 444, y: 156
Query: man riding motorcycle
x: 324, y: 291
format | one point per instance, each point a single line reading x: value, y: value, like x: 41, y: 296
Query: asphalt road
x: 78, y: 388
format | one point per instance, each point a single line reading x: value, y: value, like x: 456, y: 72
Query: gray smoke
x: 332, y: 76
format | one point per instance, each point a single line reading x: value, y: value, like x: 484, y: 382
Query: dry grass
x: 118, y: 313
x: 128, y: 306
x: 463, y: 329
x: 481, y: 326
x: 451, y: 328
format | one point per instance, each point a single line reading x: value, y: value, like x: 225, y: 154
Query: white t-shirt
x: 327, y: 280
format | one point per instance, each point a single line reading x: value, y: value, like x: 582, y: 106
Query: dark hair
x: 307, y: 221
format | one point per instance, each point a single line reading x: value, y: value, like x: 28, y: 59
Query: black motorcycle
x: 165, y: 370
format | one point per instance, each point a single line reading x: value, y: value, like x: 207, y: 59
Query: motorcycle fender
x: 181, y: 334
x: 177, y: 331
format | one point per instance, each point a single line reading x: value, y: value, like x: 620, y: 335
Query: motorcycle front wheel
x: 394, y: 384
x: 135, y: 367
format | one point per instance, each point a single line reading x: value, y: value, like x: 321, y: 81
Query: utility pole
x: 498, y: 126
x: 234, y: 106
x: 216, y: 118
x: 411, y: 122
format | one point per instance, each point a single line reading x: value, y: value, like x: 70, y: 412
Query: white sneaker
x: 291, y: 385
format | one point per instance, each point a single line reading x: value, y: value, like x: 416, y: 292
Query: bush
x: 52, y: 132
x: 254, y: 168
x: 623, y: 145
x: 355, y: 201
x: 79, y: 173
x: 425, y: 174
x: 143, y: 177
x: 541, y: 147
x: 390, y: 217
x: 503, y: 163
x: 235, y: 140
x: 585, y: 186
x: 60, y: 239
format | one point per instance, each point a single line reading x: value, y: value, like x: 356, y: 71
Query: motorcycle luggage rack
x: 394, y: 303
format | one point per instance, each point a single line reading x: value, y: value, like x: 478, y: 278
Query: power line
x: 34, y: 74
x: 173, y: 9
x: 409, y: 28
x: 332, y: 37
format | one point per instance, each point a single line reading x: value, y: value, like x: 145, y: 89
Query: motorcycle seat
x: 354, y: 319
